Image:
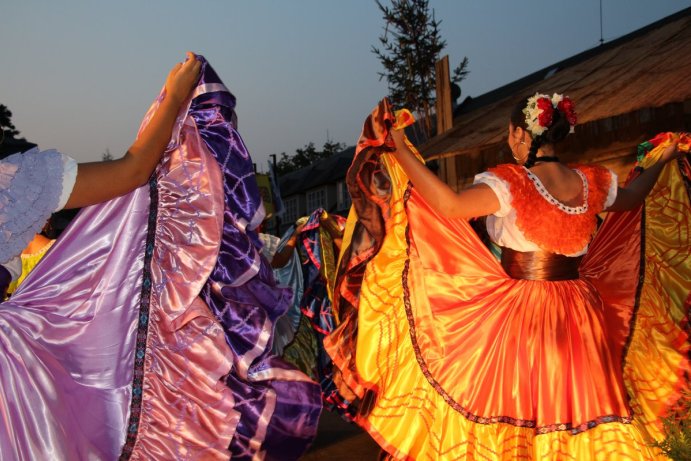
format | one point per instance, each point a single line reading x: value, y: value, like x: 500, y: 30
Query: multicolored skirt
x: 450, y: 358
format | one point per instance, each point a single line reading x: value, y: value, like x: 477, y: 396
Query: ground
x: 338, y: 440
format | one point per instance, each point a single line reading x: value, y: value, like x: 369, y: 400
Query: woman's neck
x: 545, y: 151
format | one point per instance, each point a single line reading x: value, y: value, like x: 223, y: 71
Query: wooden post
x: 447, y: 170
x: 444, y: 113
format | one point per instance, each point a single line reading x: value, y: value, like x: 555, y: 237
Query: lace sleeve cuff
x: 69, y: 177
x: 500, y: 189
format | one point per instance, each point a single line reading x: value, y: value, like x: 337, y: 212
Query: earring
x: 517, y: 159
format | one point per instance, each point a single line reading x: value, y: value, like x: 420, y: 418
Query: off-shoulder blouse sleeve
x: 500, y: 189
x: 33, y: 185
x: 612, y: 191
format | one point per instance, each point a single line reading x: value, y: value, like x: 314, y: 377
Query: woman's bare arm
x: 282, y: 257
x: 475, y: 201
x: 100, y: 181
x: 634, y: 194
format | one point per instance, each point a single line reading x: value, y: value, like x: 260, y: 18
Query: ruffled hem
x: 410, y: 356
x: 181, y: 409
x: 210, y: 388
x: 412, y: 419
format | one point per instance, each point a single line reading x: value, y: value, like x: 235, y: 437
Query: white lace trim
x: 553, y: 201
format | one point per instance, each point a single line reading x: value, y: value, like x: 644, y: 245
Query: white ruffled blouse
x: 501, y: 226
x: 33, y: 185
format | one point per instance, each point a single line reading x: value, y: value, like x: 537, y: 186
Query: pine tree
x: 6, y: 125
x: 10, y: 142
x: 410, y: 46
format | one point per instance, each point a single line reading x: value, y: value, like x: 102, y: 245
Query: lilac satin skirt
x: 145, y: 332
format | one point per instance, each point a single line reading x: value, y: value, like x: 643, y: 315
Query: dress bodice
x: 531, y: 219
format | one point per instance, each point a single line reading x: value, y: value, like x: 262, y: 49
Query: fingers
x: 397, y: 136
x: 182, y: 78
x: 190, y: 61
x: 174, y: 70
x: 191, y: 65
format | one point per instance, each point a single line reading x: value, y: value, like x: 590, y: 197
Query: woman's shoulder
x: 601, y: 180
x: 502, y: 179
x: 507, y: 169
x: 591, y: 169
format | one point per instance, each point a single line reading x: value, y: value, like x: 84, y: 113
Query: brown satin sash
x: 539, y: 265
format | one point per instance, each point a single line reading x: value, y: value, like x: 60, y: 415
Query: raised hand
x: 182, y: 78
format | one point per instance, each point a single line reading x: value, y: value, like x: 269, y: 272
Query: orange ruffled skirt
x: 466, y: 363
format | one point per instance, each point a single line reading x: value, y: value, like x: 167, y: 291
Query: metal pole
x: 278, y: 219
x: 602, y: 39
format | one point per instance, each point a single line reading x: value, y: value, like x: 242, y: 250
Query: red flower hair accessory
x: 565, y: 105
x: 539, y: 112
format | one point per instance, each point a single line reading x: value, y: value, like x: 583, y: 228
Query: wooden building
x: 320, y: 185
x: 625, y: 91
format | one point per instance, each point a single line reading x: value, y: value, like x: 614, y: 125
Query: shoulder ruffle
x: 31, y: 185
x: 599, y: 183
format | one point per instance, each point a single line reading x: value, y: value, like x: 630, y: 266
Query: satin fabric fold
x: 269, y: 409
x: 287, y: 326
x: 317, y: 254
x: 68, y: 339
x: 145, y: 331
x: 369, y: 183
x: 450, y: 358
x: 640, y: 262
x: 181, y: 354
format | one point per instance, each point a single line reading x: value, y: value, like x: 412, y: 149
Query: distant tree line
x: 306, y: 156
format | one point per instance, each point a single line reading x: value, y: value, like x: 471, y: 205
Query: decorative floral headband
x: 540, y: 110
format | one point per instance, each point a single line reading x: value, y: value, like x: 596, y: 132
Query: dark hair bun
x: 558, y: 130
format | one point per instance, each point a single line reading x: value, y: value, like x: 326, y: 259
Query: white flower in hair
x: 538, y: 113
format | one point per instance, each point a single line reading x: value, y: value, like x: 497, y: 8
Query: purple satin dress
x: 145, y: 332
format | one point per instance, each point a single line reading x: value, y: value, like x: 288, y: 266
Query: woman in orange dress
x: 550, y: 353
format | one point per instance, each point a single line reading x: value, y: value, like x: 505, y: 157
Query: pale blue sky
x: 79, y: 75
